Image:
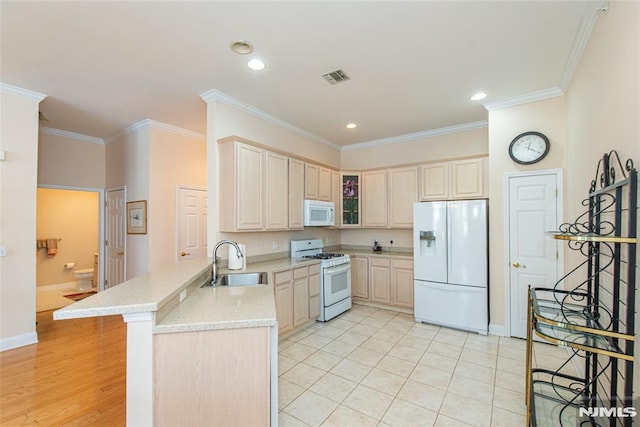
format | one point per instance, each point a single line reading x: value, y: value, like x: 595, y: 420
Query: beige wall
x: 18, y: 173
x: 73, y: 217
x: 548, y: 117
x: 460, y: 144
x: 64, y: 161
x: 174, y: 160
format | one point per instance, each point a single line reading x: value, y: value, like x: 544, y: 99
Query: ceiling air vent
x: 336, y: 76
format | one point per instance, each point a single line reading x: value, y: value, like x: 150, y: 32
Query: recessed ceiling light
x: 242, y: 47
x: 256, y: 64
x: 478, y: 96
x: 351, y: 126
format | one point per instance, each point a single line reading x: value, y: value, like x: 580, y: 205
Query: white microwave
x: 318, y: 213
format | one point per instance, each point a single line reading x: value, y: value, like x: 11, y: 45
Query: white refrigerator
x: 450, y: 264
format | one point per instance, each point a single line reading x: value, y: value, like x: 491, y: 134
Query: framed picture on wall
x: 137, y: 217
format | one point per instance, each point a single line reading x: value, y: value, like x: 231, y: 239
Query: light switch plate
x: 3, y: 251
x: 3, y: 155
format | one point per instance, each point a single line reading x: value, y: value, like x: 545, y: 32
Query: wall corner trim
x: 18, y: 341
x: 23, y: 93
x: 72, y: 135
x: 524, y: 99
x: 148, y: 124
x: 214, y: 95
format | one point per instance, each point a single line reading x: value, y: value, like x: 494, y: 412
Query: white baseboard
x: 498, y: 330
x: 18, y: 341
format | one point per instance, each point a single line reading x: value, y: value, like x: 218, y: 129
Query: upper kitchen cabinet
x: 296, y: 193
x: 403, y: 193
x: 466, y: 178
x: 374, y: 198
x: 242, y: 189
x: 457, y: 179
x: 350, y: 199
x: 276, y: 186
x: 434, y: 181
x: 317, y: 182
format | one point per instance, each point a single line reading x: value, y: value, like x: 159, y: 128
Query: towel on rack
x: 52, y: 247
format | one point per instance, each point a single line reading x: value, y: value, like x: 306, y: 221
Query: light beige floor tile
x: 285, y: 363
x: 482, y: 346
x: 414, y: 342
x: 446, y: 338
x: 396, y: 366
x: 397, y: 327
x: 444, y: 421
x: 511, y: 381
x: 374, y: 322
x: 512, y: 366
x: 424, y: 395
x: 377, y: 345
x: 287, y: 392
x: 285, y: 343
x: 351, y: 370
x: 389, y: 336
x: 444, y: 349
x: 478, y: 358
x: 511, y: 353
x: 437, y: 361
x: 311, y: 408
x: 424, y: 330
x: 483, y: 338
x: 304, y: 375
x: 406, y: 353
x: 323, y: 360
x: 352, y: 338
x: 286, y: 420
x: 453, y: 332
x: 298, y: 351
x: 339, y: 348
x: 343, y: 324
x: 368, y: 401
x: 475, y: 372
x: 298, y: 335
x: 503, y: 418
x: 510, y: 400
x: 384, y: 381
x: 515, y: 343
x: 471, y: 389
x: 366, y: 357
x: 401, y: 414
x: 353, y: 316
x: 344, y: 416
x: 363, y: 329
x: 555, y: 363
x: 315, y: 341
x: 333, y: 387
x: 466, y: 410
x: 431, y: 376
x: 330, y: 331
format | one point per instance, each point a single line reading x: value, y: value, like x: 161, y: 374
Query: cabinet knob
x: 518, y: 265
x: 185, y: 253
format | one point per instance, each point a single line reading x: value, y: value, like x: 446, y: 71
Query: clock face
x: 528, y: 148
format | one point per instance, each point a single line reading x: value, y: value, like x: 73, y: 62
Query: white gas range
x: 335, y: 277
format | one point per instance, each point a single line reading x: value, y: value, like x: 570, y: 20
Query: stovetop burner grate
x: 324, y: 255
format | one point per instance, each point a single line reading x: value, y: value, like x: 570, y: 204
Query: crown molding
x: 152, y: 124
x: 72, y: 135
x: 590, y: 15
x: 214, y: 95
x: 524, y: 99
x: 418, y: 135
x: 23, y: 93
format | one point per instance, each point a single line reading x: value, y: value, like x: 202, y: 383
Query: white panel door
x: 533, y: 257
x: 430, y: 241
x: 192, y: 223
x: 115, y: 238
x: 467, y: 242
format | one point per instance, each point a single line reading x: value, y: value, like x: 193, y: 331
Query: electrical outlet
x: 3, y: 251
x: 274, y: 244
x: 183, y: 294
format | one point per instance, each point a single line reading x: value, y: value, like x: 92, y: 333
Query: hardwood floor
x: 75, y: 375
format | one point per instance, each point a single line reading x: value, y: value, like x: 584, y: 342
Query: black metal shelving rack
x: 592, y: 313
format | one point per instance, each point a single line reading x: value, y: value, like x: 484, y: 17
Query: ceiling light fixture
x: 351, y: 126
x: 241, y: 47
x: 478, y: 96
x: 256, y: 64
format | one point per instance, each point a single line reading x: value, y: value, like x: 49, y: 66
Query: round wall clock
x: 529, y: 148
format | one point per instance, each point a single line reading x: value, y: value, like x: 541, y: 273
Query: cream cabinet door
x: 360, y: 277
x: 466, y: 178
x: 283, y: 288
x: 250, y: 187
x: 380, y: 279
x: 403, y: 193
x: 374, y: 199
x: 296, y: 193
x: 314, y: 291
x: 402, y: 282
x: 311, y: 181
x: 276, y: 191
x: 300, y: 296
x: 324, y: 184
x: 434, y: 181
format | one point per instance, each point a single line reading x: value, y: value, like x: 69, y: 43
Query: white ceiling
x: 413, y: 65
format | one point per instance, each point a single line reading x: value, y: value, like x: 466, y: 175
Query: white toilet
x: 84, y: 278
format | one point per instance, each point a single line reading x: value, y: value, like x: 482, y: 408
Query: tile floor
x: 373, y: 367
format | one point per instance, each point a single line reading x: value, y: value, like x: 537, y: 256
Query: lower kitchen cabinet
x: 283, y: 288
x: 360, y: 277
x: 297, y: 296
x: 314, y: 291
x: 402, y: 283
x: 380, y: 279
x: 300, y: 296
x: 383, y: 279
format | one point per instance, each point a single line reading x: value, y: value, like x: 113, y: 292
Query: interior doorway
x: 115, y: 242
x: 192, y: 223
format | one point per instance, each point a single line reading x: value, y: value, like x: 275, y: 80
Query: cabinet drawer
x: 402, y: 263
x: 299, y: 273
x: 379, y: 262
x: 283, y: 277
x: 314, y: 269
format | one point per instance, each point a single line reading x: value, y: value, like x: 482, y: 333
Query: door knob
x: 120, y: 253
x: 518, y: 265
x: 184, y: 253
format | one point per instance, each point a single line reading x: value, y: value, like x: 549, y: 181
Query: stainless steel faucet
x: 216, y: 259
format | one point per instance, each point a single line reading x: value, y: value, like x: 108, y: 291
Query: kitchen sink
x: 240, y: 279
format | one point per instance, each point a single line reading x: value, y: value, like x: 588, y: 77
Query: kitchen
x: 553, y: 113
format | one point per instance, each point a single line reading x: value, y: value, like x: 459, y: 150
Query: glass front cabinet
x: 350, y: 200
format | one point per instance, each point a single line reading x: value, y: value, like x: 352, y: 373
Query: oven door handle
x: 336, y: 269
